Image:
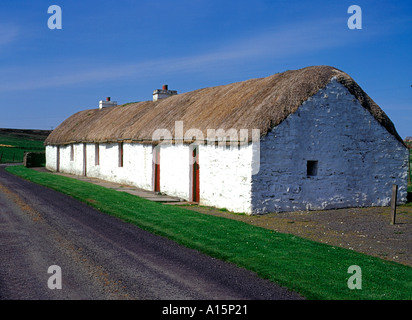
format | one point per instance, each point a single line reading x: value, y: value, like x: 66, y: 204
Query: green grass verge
x: 317, y: 271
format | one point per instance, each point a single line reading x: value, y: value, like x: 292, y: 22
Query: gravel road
x: 102, y: 257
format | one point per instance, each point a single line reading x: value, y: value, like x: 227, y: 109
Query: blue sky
x: 125, y: 49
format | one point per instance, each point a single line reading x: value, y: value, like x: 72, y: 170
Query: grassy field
x: 13, y: 143
x: 317, y: 271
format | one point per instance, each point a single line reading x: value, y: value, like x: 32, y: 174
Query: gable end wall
x: 358, y: 159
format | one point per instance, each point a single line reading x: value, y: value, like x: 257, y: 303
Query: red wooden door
x: 156, y: 178
x: 195, y: 175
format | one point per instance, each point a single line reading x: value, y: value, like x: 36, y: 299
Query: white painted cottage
x: 305, y: 139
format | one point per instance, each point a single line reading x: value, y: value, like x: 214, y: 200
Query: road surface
x: 101, y: 257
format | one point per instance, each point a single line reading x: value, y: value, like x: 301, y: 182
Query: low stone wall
x: 34, y: 159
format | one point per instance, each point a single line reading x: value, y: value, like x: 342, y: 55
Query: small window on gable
x: 312, y: 168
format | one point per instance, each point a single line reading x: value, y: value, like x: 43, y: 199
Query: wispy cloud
x: 7, y: 34
x: 295, y: 39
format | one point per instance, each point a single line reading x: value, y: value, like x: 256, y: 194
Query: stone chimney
x: 107, y: 103
x: 163, y: 93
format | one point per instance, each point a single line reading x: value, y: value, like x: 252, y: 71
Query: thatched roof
x: 253, y: 104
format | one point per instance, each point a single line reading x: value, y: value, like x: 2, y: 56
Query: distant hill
x: 26, y: 133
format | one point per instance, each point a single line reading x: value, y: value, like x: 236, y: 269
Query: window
x: 58, y: 159
x: 96, y: 154
x: 312, y: 168
x: 71, y: 152
x: 84, y: 159
x: 121, y: 154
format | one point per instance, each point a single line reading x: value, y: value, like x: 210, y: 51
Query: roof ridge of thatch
x: 259, y: 103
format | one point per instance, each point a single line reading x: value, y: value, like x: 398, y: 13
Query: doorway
x: 195, y: 190
x: 156, y: 168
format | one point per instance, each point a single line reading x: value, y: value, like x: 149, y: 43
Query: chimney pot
x: 108, y: 99
x: 165, y: 87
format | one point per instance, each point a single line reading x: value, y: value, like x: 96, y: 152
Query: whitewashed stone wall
x: 358, y: 159
x: 74, y: 167
x: 51, y: 158
x: 175, y: 170
x: 66, y: 165
x: 225, y: 177
x: 136, y: 169
x: 225, y: 174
